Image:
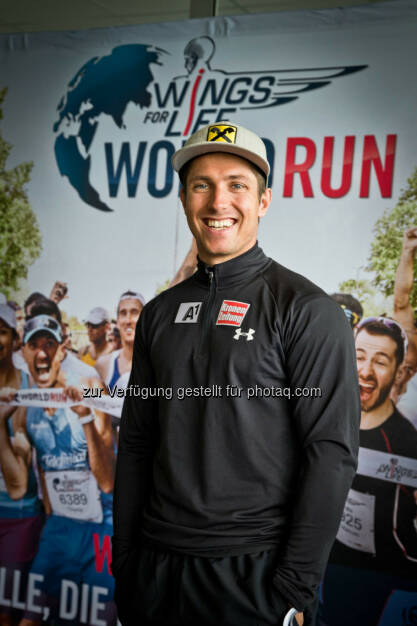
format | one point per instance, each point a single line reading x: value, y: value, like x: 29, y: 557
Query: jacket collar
x: 235, y: 270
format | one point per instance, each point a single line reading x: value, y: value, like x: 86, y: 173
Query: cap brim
x: 186, y: 153
x: 33, y: 332
x: 8, y: 322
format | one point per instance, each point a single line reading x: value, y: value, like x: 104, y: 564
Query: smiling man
x: 220, y: 499
x: 114, y: 368
x: 377, y: 535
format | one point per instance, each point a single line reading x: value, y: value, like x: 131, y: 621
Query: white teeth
x: 220, y: 223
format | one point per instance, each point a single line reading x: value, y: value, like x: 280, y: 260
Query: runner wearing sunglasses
x: 97, y: 323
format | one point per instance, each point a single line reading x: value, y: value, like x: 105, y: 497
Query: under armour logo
x: 239, y: 333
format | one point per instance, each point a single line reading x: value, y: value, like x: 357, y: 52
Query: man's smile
x: 219, y: 224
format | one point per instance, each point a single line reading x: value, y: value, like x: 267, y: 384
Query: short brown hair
x: 260, y: 176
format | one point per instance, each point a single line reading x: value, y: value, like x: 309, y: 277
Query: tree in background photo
x: 20, y: 237
x: 375, y: 293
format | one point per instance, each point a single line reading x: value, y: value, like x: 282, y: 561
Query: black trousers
x: 157, y: 588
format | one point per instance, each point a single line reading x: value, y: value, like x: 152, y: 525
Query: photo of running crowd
x: 57, y: 464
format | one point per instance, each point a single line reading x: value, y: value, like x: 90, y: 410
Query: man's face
x: 20, y: 322
x: 97, y: 332
x: 39, y: 353
x: 6, y: 343
x: 377, y: 368
x: 222, y: 206
x: 127, y: 317
x: 407, y: 370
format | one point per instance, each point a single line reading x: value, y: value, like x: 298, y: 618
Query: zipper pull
x: 210, y: 274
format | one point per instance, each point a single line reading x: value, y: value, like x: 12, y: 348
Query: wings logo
x: 104, y: 86
x: 228, y: 92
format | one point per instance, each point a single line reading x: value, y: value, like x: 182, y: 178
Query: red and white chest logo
x: 232, y: 313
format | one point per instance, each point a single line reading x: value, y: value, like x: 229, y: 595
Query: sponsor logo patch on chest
x: 188, y: 313
x: 232, y: 313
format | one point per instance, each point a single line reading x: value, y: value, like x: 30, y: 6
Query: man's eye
x: 200, y: 186
x: 238, y: 186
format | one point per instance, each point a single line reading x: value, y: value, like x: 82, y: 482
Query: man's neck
x: 127, y: 352
x: 376, y: 417
x: 98, y: 348
x: 216, y: 259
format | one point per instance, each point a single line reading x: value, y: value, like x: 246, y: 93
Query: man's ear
x: 265, y: 201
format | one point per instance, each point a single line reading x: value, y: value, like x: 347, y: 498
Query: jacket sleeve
x: 320, y: 354
x: 137, y: 441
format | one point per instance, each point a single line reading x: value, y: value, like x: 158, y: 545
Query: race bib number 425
x: 357, y: 528
x: 74, y: 494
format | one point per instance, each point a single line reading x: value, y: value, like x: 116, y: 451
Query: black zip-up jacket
x: 215, y: 476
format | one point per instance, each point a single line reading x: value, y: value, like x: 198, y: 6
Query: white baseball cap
x: 8, y: 315
x: 98, y: 315
x: 223, y: 137
x: 42, y: 323
x: 135, y: 295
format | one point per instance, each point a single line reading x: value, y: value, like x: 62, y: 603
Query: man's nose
x: 219, y: 200
x: 366, y: 368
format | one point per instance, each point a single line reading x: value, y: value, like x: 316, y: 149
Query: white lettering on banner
x: 386, y: 466
x: 68, y: 600
x: 33, y: 593
x: 74, y: 494
x: 16, y: 599
x: 357, y: 527
x: 3, y: 600
x: 16, y: 589
x: 56, y: 398
x: 71, y: 604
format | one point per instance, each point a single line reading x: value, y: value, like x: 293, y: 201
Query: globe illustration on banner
x: 103, y: 85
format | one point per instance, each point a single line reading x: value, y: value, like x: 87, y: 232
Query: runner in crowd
x: 114, y: 336
x: 406, y: 389
x: 114, y: 368
x: 31, y: 301
x: 351, y: 307
x: 20, y: 322
x: 76, y: 473
x: 58, y: 292
x: 21, y: 511
x: 97, y: 322
x: 70, y: 363
x: 376, y: 547
x: 67, y: 337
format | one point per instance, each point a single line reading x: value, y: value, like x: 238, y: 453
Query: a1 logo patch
x: 188, y: 313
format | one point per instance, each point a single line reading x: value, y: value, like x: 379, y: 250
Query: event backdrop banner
x: 101, y: 112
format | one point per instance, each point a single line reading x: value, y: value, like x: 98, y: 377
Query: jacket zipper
x: 207, y: 313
